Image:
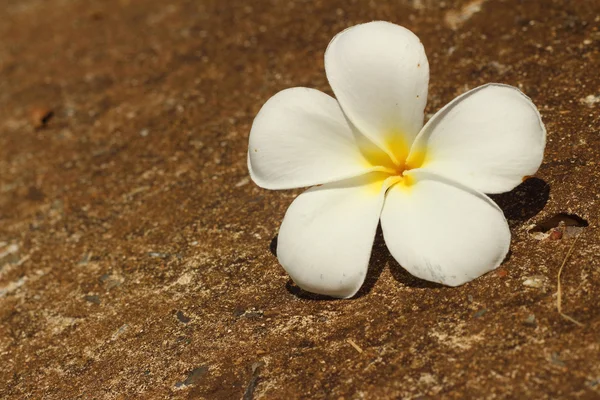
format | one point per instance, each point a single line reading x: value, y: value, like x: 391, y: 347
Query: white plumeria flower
x: 370, y: 159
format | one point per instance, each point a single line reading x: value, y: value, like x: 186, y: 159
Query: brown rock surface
x: 135, y: 254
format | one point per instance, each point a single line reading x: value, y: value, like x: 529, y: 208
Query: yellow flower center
x: 399, y: 157
x: 396, y: 161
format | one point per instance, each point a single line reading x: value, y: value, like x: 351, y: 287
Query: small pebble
x: 555, y: 235
x: 591, y: 100
x: 534, y: 281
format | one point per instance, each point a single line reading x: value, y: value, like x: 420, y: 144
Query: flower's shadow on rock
x: 291, y: 287
x: 518, y: 205
x: 524, y: 201
x: 380, y: 256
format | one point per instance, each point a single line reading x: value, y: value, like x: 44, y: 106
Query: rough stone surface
x: 135, y: 255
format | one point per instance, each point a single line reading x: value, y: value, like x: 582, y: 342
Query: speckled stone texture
x: 136, y: 255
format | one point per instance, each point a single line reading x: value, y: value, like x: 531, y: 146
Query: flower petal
x: 444, y: 232
x: 301, y: 138
x: 326, y: 236
x: 379, y: 74
x: 489, y: 138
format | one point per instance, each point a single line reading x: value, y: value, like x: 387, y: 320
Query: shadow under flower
x: 518, y: 205
x: 525, y: 201
x: 380, y: 257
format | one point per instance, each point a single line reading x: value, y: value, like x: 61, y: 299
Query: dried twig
x: 559, y: 288
x: 356, y: 347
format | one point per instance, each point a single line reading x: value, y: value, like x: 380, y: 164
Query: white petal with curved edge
x: 379, y: 73
x: 301, y: 138
x: 489, y: 138
x: 443, y: 232
x: 326, y: 236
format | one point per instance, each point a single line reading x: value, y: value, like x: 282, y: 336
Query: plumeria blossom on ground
x: 369, y: 159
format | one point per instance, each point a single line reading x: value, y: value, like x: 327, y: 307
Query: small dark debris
x: 193, y: 376
x: 238, y: 312
x: 92, y: 299
x: 530, y: 320
x: 306, y: 343
x: 181, y: 317
x: 40, y: 116
x: 480, y: 313
x: 34, y: 194
x: 593, y: 383
x: 249, y: 393
x: 96, y: 15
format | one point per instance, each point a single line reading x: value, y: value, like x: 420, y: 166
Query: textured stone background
x: 135, y: 255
